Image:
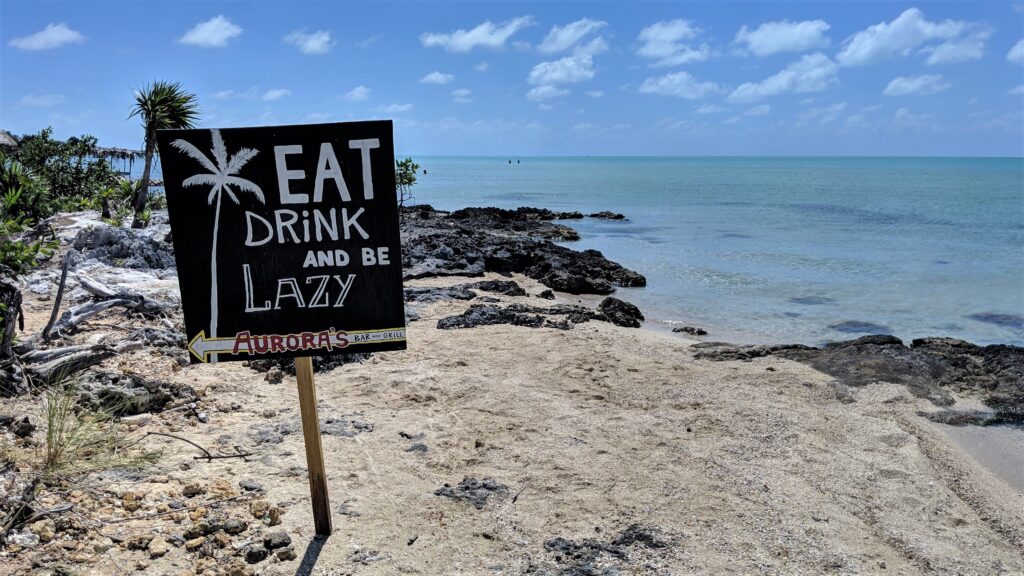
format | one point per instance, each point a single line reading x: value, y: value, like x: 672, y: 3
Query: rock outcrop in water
x: 472, y: 241
x: 930, y: 368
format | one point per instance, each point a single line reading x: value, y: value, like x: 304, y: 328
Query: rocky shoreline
x: 484, y: 433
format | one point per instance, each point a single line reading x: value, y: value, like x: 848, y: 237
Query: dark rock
x: 286, y: 554
x: 547, y: 294
x: 250, y: 486
x: 646, y: 535
x: 418, y: 447
x: 504, y: 287
x: 235, y: 526
x: 124, y: 248
x: 473, y: 491
x: 690, y: 330
x: 158, y: 337
x: 124, y: 394
x: 428, y: 294
x: 930, y: 367
x: 408, y: 436
x: 608, y: 215
x: 321, y: 364
x: 486, y: 315
x: 344, y: 426
x: 468, y: 244
x: 255, y: 553
x: 275, y: 540
x: 534, y: 222
x: 20, y: 426
x: 621, y: 313
x: 962, y: 417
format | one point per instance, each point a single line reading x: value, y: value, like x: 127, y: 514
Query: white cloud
x: 897, y: 38
x: 784, y: 36
x: 758, y: 110
x: 1017, y: 90
x: 214, y: 33
x: 275, y: 94
x: 462, y: 96
x: 482, y: 67
x: 545, y: 92
x: 1016, y: 54
x: 823, y: 115
x: 679, y: 84
x: 545, y: 106
x: 486, y: 35
x: 41, y: 99
x: 53, y: 36
x: 662, y: 42
x: 922, y: 85
x: 318, y: 42
x: 394, y: 108
x: 970, y: 47
x: 561, y: 38
x: 709, y: 109
x: 367, y: 42
x: 436, y: 77
x: 567, y: 70
x: 812, y: 73
x: 358, y: 94
x: 595, y: 93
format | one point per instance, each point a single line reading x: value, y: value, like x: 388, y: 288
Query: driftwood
x: 53, y: 365
x: 60, y: 295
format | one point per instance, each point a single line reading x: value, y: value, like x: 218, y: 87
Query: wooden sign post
x: 314, y: 452
x: 287, y: 246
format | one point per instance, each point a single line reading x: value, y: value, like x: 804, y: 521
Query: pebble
x: 235, y: 526
x: 275, y: 540
x: 250, y: 486
x: 286, y: 554
x: 158, y: 547
x: 255, y: 553
x: 193, y: 489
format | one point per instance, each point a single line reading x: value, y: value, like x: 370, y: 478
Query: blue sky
x: 522, y: 78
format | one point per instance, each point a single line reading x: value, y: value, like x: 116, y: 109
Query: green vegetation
x: 161, y: 105
x: 18, y: 190
x: 58, y: 176
x: 405, y: 178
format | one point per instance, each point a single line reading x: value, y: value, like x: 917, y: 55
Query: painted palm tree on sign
x: 221, y: 179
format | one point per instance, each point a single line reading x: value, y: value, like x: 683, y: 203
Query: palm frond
x: 200, y: 179
x: 246, y: 185
x: 220, y: 152
x: 240, y: 159
x: 231, y: 194
x: 195, y: 154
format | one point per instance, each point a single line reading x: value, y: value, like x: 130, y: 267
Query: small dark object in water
x: 812, y: 300
x: 1007, y: 320
x: 690, y: 330
x: 858, y: 327
x: 608, y: 215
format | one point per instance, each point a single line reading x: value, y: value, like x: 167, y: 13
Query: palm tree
x: 161, y: 105
x: 222, y: 175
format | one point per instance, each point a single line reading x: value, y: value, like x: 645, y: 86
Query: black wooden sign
x: 286, y: 239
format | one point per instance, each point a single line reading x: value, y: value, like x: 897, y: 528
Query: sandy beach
x: 595, y: 450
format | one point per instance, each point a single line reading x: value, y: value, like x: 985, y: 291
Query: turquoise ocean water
x: 786, y: 249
